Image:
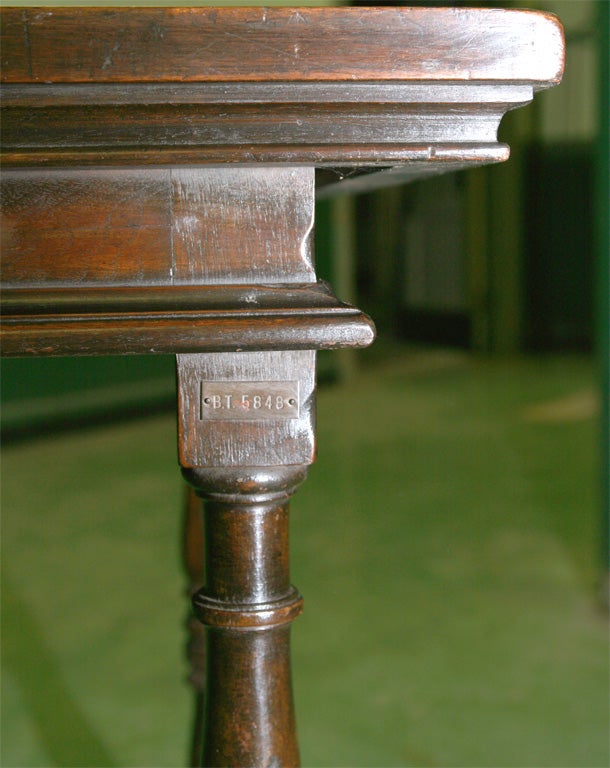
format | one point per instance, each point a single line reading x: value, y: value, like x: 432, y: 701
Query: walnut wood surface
x: 188, y: 260
x: 247, y: 604
x: 192, y: 559
x: 324, y: 87
x: 164, y: 321
x: 323, y: 124
x: 235, y: 443
x: 102, y: 45
x: 165, y: 227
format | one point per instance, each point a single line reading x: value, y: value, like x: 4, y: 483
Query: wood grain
x: 201, y: 115
x: 247, y: 603
x: 83, y: 228
x: 324, y: 87
x: 97, y: 45
x: 178, y: 320
x: 314, y: 123
x: 124, y: 227
x: 131, y: 261
x: 243, y: 225
x: 238, y: 443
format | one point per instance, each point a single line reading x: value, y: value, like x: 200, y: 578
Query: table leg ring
x: 247, y: 616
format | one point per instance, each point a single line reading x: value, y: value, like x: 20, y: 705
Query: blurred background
x: 451, y: 542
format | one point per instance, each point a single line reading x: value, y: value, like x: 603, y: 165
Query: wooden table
x: 160, y: 167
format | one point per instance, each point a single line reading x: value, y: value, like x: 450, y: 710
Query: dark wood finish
x: 159, y: 169
x: 192, y: 557
x: 135, y: 227
x: 85, y: 228
x: 323, y: 87
x: 315, y: 123
x: 99, y: 45
x: 90, y: 257
x: 247, y: 604
x: 273, y: 442
x: 94, y: 321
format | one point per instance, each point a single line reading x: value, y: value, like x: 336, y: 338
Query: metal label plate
x: 248, y: 400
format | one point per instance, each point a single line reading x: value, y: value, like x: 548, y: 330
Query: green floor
x: 446, y: 544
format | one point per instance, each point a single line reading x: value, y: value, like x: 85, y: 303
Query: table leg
x: 246, y: 435
x: 246, y: 441
x: 192, y: 555
x: 235, y: 226
x: 247, y: 605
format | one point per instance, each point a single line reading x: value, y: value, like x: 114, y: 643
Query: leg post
x: 236, y: 410
x: 192, y: 556
x: 246, y: 407
x: 247, y: 604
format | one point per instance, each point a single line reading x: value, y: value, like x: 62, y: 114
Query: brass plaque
x: 248, y: 400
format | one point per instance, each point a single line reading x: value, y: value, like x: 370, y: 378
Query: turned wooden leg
x: 192, y: 555
x: 247, y: 604
x: 246, y: 440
